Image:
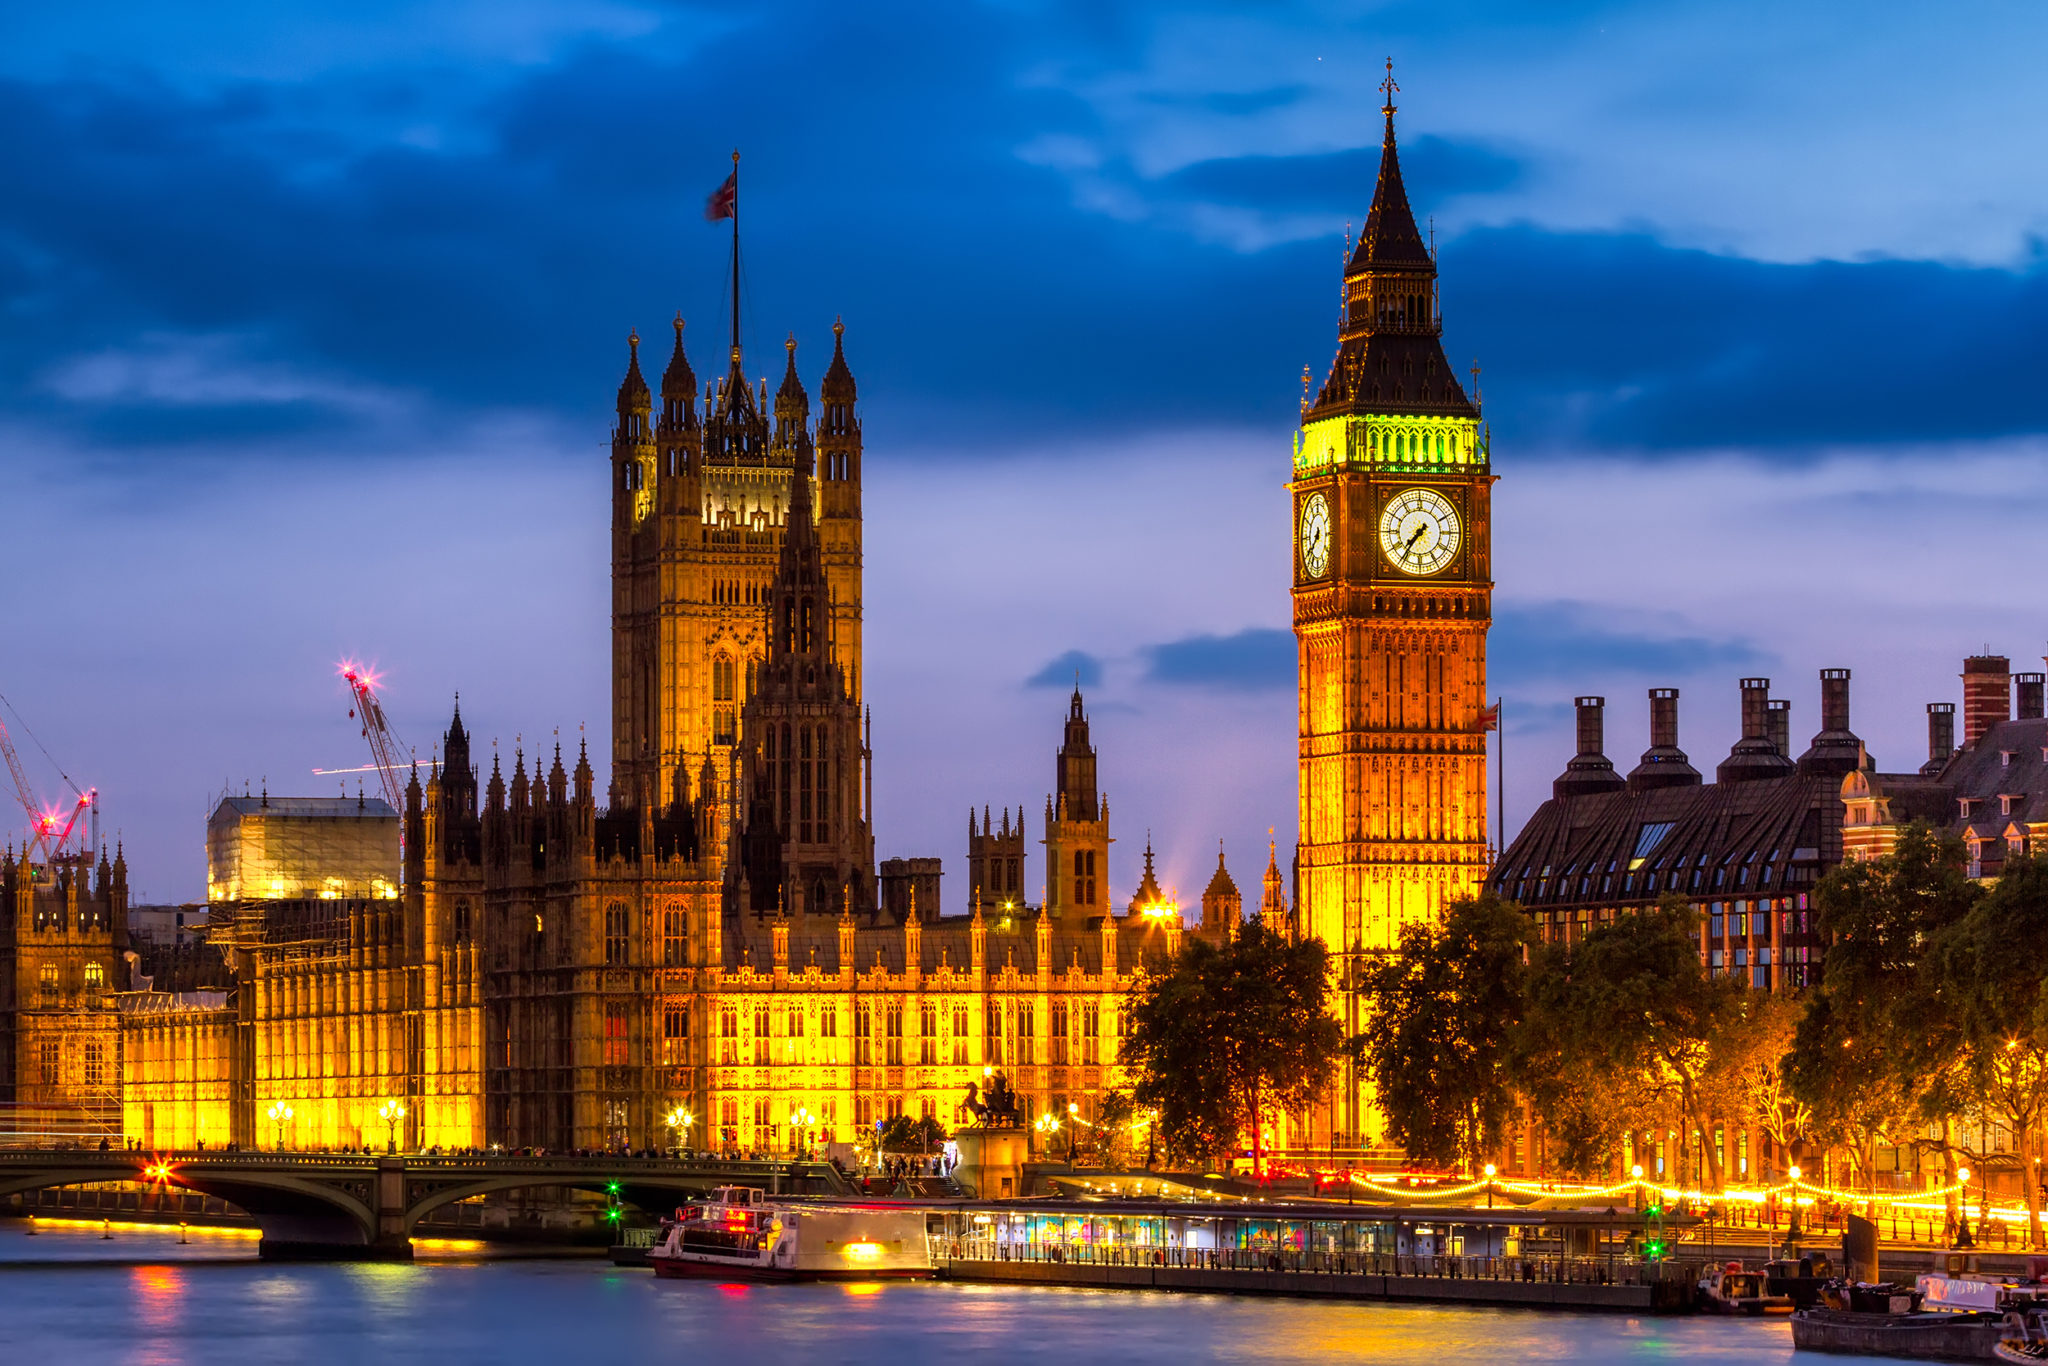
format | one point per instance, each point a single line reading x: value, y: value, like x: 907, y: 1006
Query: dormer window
x: 2009, y: 802
x: 2005, y: 758
x: 1967, y: 806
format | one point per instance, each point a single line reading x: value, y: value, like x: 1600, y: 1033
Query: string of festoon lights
x: 1795, y: 1190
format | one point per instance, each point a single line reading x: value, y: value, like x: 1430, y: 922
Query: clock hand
x: 1416, y: 537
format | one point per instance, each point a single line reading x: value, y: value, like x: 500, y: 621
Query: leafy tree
x: 1438, y: 1040
x: 1876, y: 1052
x: 1625, y: 1022
x: 902, y: 1134
x: 1992, y: 967
x: 1746, y: 1083
x: 1220, y: 1036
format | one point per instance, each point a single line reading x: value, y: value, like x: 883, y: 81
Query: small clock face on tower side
x: 1315, y: 536
x: 1419, y: 531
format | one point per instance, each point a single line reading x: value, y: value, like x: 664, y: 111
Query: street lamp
x: 800, y: 1122
x: 1047, y: 1125
x: 280, y: 1115
x: 1489, y: 1185
x: 679, y: 1121
x: 391, y: 1111
x: 1073, y: 1128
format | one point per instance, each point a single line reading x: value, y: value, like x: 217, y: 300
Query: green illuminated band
x: 1409, y: 444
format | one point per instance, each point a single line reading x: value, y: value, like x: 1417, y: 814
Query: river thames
x: 141, y: 1297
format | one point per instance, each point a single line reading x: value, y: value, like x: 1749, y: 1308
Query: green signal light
x: 612, y: 1187
x: 612, y: 1214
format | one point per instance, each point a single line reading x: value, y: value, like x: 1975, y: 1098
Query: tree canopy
x: 1221, y: 1036
x: 1439, y: 1038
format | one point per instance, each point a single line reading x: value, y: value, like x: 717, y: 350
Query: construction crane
x: 50, y: 827
x: 385, y: 748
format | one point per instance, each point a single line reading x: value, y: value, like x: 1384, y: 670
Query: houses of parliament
x: 699, y: 948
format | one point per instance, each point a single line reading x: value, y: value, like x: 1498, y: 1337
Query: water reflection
x: 552, y: 1311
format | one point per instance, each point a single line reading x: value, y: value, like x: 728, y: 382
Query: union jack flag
x: 725, y: 200
x: 1490, y: 718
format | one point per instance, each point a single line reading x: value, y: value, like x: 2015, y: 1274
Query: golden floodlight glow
x: 862, y: 1252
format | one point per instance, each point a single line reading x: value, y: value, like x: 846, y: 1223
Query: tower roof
x: 633, y: 388
x: 1390, y: 355
x: 838, y: 386
x: 679, y: 380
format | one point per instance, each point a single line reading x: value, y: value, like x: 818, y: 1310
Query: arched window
x: 722, y: 678
x: 617, y: 926
x: 95, y: 976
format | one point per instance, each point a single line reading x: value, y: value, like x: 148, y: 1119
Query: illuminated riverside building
x: 1746, y: 849
x: 703, y: 954
x: 1393, y: 588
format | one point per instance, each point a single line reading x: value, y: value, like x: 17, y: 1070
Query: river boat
x: 738, y: 1233
x: 1731, y: 1290
x: 1946, y: 1317
x: 1916, y: 1336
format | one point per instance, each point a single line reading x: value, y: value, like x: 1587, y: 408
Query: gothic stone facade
x: 708, y: 942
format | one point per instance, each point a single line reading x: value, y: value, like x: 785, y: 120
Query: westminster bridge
x: 360, y: 1207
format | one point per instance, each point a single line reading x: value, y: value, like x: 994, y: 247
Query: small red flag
x: 1490, y: 718
x: 725, y: 200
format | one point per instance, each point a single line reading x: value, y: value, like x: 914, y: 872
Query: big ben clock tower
x: 1393, y: 588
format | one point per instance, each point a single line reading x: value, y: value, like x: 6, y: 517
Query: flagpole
x: 735, y: 254
x: 1500, y: 760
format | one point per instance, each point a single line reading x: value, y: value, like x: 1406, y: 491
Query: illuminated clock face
x: 1419, y: 531
x: 1315, y: 536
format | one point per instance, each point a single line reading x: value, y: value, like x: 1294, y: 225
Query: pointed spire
x: 633, y: 395
x: 1221, y: 884
x: 791, y: 402
x: 838, y: 386
x: 679, y: 381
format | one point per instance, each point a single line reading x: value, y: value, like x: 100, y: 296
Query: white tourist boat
x: 739, y: 1233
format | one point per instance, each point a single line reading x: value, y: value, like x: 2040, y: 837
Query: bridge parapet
x: 355, y: 1206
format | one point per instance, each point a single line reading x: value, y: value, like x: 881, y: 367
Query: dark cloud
x: 1341, y: 183
x: 1564, y: 640
x: 1618, y: 340
x: 1075, y: 668
x: 1252, y: 660
x: 504, y: 264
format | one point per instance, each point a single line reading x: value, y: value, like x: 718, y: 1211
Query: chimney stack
x: 1987, y: 695
x: 1589, y: 771
x: 1663, y: 718
x: 1941, y: 735
x: 1778, y: 724
x: 1754, y: 757
x: 2027, y: 696
x: 1664, y: 763
x: 1835, y: 751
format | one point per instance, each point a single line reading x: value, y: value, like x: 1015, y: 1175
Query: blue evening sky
x: 314, y: 313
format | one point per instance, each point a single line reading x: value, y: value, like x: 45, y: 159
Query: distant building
x: 63, y: 934
x: 293, y: 847
x: 1991, y: 792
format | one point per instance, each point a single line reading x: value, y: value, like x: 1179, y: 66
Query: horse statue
x: 999, y: 1109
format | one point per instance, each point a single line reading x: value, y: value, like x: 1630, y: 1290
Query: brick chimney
x: 1987, y: 694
